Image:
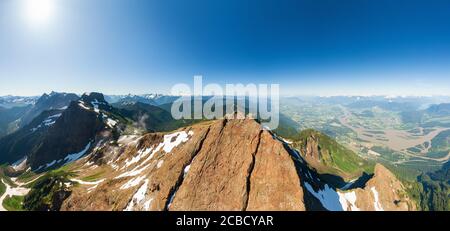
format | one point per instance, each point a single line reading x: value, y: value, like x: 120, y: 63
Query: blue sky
x: 323, y: 47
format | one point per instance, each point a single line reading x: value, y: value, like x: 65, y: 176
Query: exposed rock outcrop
x: 384, y: 192
x: 219, y: 165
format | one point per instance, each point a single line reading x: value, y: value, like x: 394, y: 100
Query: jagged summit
x: 93, y: 97
x: 47, y: 102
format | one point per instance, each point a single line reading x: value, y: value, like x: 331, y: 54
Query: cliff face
x: 240, y: 167
x: 220, y: 165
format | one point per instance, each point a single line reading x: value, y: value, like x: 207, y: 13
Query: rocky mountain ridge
x: 216, y: 165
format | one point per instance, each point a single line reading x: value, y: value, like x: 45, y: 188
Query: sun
x: 39, y: 12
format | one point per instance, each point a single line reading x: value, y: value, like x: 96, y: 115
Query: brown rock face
x: 312, y: 151
x: 274, y: 183
x: 391, y: 192
x: 240, y: 167
x: 384, y: 192
x: 217, y: 179
x: 219, y: 165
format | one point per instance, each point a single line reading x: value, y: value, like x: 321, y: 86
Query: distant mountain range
x: 152, y: 99
x: 16, y: 101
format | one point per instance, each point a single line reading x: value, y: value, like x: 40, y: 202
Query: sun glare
x: 39, y: 12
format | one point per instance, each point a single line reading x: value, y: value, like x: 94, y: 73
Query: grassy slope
x: 14, y: 203
x: 2, y: 188
x: 440, y: 145
x: 46, y: 192
x: 335, y: 156
x: 27, y: 176
x: 93, y: 177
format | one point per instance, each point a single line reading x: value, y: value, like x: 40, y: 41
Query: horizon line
x: 387, y: 96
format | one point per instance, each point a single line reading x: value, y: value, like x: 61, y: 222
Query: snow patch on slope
x: 136, y: 171
x: 376, y: 203
x: 170, y: 142
x: 138, y: 197
x: 93, y: 183
x: 81, y: 104
x: 75, y: 156
x: 48, y: 122
x: 181, y: 137
x: 186, y: 170
x: 140, y: 154
x: 133, y: 182
x: 348, y: 200
x: 160, y: 163
x: 68, y: 159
